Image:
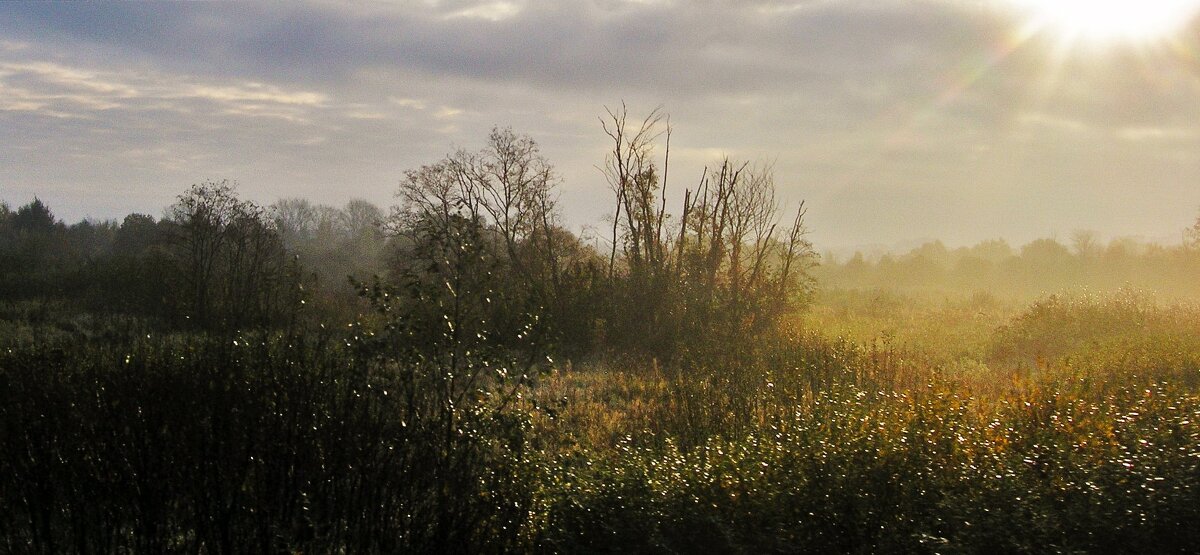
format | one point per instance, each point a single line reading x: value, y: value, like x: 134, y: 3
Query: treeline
x: 477, y: 230
x: 213, y: 260
x: 1041, y: 266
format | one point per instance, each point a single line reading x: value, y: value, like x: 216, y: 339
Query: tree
x: 481, y: 225
x: 996, y: 251
x: 1085, y: 244
x: 231, y: 260
x: 361, y: 220
x: 511, y: 183
x: 640, y: 286
x: 741, y: 268
x: 35, y: 255
x: 629, y: 167
x: 34, y: 217
x: 138, y: 274
x: 137, y: 233
x: 295, y: 220
x: 729, y: 267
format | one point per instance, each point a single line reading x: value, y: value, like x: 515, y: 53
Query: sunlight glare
x: 1110, y: 20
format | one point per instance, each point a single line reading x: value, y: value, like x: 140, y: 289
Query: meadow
x: 876, y: 422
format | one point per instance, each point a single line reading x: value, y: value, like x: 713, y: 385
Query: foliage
x: 214, y: 262
x: 856, y: 470
x: 230, y: 260
x: 487, y: 219
x: 1062, y: 326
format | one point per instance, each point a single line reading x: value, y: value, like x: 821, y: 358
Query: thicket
x: 725, y: 269
x: 831, y: 446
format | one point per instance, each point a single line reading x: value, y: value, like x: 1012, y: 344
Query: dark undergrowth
x: 331, y: 443
x: 249, y: 444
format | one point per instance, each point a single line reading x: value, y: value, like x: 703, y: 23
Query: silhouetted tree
x: 34, y: 253
x: 740, y: 269
x: 231, y: 261
x: 295, y: 220
x: 483, y: 222
x: 34, y: 217
x: 1085, y: 244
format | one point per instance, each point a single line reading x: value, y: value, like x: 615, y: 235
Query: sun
x: 1110, y: 20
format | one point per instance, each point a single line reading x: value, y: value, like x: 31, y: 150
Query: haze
x: 897, y: 121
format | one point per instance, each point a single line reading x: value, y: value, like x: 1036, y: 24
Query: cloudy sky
x: 896, y: 120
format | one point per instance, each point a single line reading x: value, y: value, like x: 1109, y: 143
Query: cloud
x: 1052, y: 122
x: 1166, y: 134
x: 491, y: 10
x: 332, y: 99
x: 59, y: 90
x: 569, y: 43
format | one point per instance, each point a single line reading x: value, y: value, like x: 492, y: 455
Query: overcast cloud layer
x: 896, y: 120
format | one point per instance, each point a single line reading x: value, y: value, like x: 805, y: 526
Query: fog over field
x: 960, y: 120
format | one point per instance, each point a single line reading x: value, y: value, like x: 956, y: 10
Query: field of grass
x: 876, y: 422
x: 885, y: 423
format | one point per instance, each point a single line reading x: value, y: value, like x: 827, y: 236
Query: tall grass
x: 859, y: 471
x: 827, y: 445
x: 801, y: 442
x: 247, y: 444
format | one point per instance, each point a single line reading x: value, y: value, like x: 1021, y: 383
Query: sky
x: 896, y: 121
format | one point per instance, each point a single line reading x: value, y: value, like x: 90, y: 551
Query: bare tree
x: 736, y: 261
x: 492, y: 210
x: 1085, y: 244
x: 203, y: 215
x: 729, y: 266
x: 295, y: 219
x: 640, y: 212
x: 361, y: 220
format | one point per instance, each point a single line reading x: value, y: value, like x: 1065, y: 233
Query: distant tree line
x: 478, y: 231
x: 1041, y: 266
x: 213, y: 261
